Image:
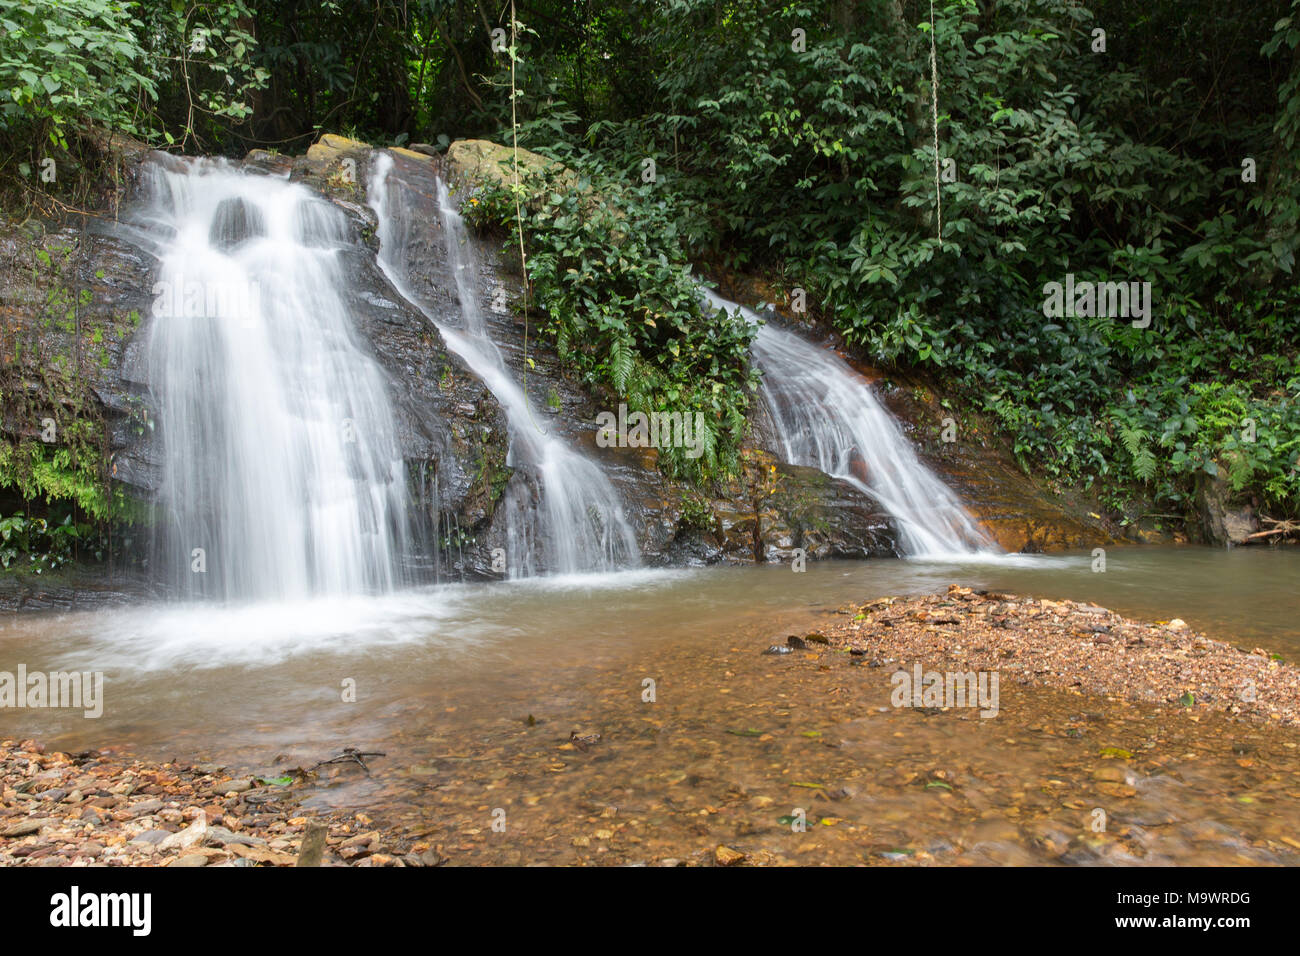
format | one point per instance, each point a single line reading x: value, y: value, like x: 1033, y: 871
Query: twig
x: 351, y: 754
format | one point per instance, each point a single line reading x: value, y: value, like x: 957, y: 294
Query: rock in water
x: 726, y: 856
x: 313, y: 845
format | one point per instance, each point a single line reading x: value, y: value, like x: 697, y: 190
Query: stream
x: 472, y: 691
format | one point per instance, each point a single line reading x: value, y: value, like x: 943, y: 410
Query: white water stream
x: 563, y: 514
x: 281, y: 474
x: 827, y: 417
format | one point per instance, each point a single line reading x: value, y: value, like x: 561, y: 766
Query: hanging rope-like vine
x: 934, y: 115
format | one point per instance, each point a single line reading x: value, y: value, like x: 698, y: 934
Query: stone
x: 313, y: 845
x: 233, y: 786
x: 27, y: 826
x: 220, y: 836
x: 726, y: 856
x: 191, y: 836
x: 332, y: 147
x: 480, y: 162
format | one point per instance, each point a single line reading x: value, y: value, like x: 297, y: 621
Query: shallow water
x: 446, y: 679
x: 219, y: 672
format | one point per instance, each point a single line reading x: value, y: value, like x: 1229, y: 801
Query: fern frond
x: 1134, y: 439
x: 620, y: 364
x: 1144, y: 465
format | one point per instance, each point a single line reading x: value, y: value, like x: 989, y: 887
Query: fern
x: 1240, y: 469
x: 1134, y: 438
x: 620, y: 364
x: 1144, y: 465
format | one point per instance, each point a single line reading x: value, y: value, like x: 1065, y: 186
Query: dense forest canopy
x: 929, y: 176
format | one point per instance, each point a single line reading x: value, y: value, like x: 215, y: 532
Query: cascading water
x: 563, y: 515
x: 281, y: 473
x: 827, y: 417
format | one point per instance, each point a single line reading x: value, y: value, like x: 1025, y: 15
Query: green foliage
x: 35, y: 544
x: 607, y: 267
x: 67, y: 61
x: 816, y: 166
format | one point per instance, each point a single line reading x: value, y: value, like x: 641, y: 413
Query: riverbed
x: 472, y: 692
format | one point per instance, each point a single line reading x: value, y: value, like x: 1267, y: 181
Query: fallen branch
x: 1280, y: 526
x: 353, y: 755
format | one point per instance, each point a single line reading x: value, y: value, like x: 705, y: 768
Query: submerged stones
x: 234, y: 223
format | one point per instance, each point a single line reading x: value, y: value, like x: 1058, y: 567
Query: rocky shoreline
x: 1069, y: 645
x: 101, y: 808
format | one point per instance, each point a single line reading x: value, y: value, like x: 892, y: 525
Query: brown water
x: 446, y: 682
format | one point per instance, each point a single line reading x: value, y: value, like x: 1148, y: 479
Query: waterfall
x: 563, y: 515
x: 281, y: 475
x: 826, y: 416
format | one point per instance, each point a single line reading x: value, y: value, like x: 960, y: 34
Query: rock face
x: 1223, y: 521
x: 673, y: 523
x: 1010, y: 507
x: 453, y: 435
x: 451, y: 431
x: 72, y: 303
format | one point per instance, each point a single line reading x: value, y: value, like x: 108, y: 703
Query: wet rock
x: 234, y: 223
x: 428, y: 857
x: 233, y: 786
x: 726, y: 856
x: 450, y: 430
x: 1110, y: 775
x: 27, y: 826
x: 220, y: 836
x: 1222, y: 522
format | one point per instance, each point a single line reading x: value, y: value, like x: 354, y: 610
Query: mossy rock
x: 478, y: 162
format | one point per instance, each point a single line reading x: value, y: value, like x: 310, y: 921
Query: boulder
x: 475, y: 162
x: 1223, y: 521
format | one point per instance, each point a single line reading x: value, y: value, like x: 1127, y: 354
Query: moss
x: 54, y: 450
